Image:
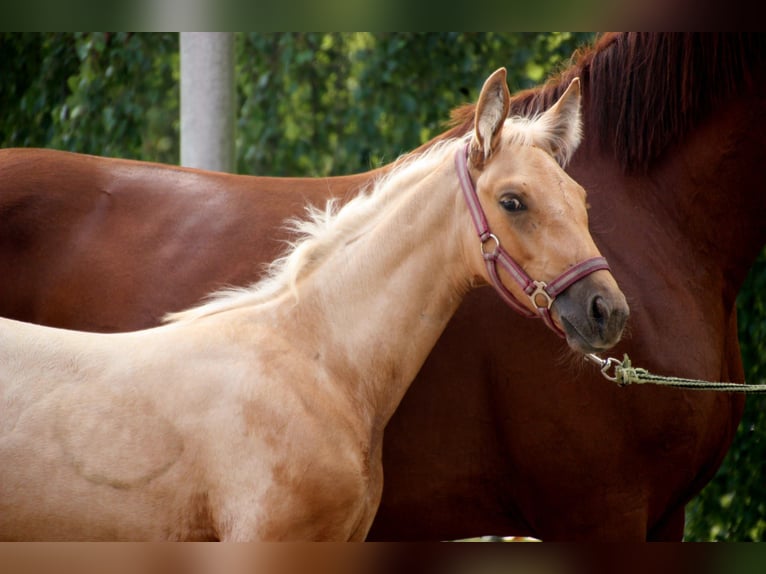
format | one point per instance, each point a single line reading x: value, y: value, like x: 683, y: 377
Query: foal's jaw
x: 592, y: 316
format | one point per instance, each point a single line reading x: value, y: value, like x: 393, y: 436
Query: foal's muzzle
x: 592, y: 315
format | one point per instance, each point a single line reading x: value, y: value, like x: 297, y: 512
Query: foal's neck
x: 377, y: 305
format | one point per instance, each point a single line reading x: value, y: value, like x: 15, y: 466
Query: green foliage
x: 332, y: 103
x: 310, y: 103
x: 322, y: 103
x: 34, y: 69
x: 100, y: 93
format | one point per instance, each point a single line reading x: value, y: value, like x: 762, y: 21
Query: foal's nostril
x: 599, y: 310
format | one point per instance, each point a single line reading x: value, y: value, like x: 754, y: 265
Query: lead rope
x: 626, y: 374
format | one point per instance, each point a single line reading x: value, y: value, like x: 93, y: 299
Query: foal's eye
x: 512, y: 204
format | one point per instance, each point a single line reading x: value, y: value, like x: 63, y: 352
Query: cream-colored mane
x: 321, y: 232
x: 324, y: 230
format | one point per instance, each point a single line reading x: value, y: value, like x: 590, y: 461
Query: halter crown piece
x: 541, y: 294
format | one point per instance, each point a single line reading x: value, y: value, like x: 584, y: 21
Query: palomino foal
x: 260, y: 414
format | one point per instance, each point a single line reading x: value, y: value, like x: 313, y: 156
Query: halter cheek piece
x: 541, y: 294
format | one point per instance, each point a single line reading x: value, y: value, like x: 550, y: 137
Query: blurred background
x: 316, y: 104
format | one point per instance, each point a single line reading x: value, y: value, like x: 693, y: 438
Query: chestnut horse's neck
x: 702, y: 194
x: 683, y: 114
x: 725, y: 205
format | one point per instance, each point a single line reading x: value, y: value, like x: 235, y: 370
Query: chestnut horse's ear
x: 491, y: 111
x: 559, y: 129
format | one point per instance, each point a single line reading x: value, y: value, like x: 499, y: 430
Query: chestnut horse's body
x: 499, y: 434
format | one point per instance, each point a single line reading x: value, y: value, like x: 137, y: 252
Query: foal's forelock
x: 536, y: 131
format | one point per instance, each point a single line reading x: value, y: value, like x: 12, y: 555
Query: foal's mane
x: 321, y: 231
x: 644, y: 91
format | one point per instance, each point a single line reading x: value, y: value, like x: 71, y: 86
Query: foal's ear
x: 491, y: 111
x: 559, y: 130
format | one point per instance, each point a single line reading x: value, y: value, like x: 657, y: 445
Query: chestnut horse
x: 259, y: 415
x: 671, y: 161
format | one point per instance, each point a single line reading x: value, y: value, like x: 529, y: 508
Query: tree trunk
x: 207, y: 100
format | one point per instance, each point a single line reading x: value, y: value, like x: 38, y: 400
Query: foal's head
x: 539, y: 214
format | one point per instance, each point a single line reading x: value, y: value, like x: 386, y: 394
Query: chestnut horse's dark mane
x: 644, y: 91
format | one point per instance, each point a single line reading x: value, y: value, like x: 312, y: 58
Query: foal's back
x: 86, y: 450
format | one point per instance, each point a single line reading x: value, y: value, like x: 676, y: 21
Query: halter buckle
x: 540, y: 289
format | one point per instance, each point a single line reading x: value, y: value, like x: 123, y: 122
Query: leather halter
x: 541, y: 294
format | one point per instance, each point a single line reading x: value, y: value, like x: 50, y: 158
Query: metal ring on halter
x: 497, y: 246
x: 540, y: 289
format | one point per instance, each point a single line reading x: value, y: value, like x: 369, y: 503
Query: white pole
x: 207, y: 100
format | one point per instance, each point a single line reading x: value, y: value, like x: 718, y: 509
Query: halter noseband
x: 540, y: 293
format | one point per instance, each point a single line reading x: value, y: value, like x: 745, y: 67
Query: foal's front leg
x: 319, y: 508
